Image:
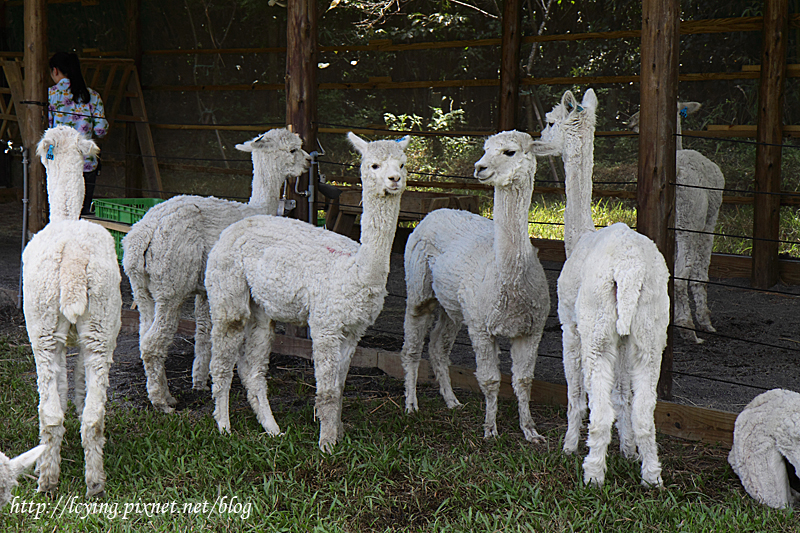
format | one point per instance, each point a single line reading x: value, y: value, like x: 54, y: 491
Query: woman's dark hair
x: 70, y: 66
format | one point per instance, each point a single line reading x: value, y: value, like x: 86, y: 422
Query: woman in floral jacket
x: 72, y: 103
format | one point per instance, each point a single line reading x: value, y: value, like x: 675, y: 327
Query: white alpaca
x: 696, y: 209
x: 614, y: 310
x: 468, y: 269
x: 11, y: 469
x: 267, y: 268
x: 165, y: 256
x: 70, y: 287
x: 766, y: 448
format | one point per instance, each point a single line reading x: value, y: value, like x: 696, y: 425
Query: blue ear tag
x: 580, y: 109
x: 50, y: 152
x: 684, y: 112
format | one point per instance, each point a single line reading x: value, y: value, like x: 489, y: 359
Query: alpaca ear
x: 246, y: 146
x: 568, y: 101
x: 404, y: 141
x: 44, y: 144
x: 358, y: 143
x: 22, y: 462
x: 633, y: 122
x: 589, y: 100
x: 87, y: 147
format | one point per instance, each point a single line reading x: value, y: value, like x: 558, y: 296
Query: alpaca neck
x: 65, y: 194
x: 268, y: 178
x: 578, y: 156
x: 378, y: 226
x: 512, y: 244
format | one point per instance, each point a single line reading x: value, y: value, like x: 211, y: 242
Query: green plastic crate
x: 118, y: 236
x: 124, y: 210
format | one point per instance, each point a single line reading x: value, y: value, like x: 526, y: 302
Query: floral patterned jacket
x: 86, y: 118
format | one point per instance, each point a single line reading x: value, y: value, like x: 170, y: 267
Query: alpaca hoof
x: 97, y: 490
x: 593, y: 481
x: 172, y: 402
x: 531, y: 435
x: 569, y: 450
x: 327, y: 445
x: 411, y: 406
x: 454, y: 404
x: 656, y: 483
x: 490, y: 432
x: 164, y: 408
x: 201, y: 386
x: 708, y: 328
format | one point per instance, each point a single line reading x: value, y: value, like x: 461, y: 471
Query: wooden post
x: 34, y: 115
x: 509, y: 65
x: 657, y: 126
x: 134, y: 169
x: 301, y: 85
x: 766, y: 212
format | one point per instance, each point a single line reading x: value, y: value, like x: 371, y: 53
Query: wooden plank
x: 766, y: 208
x: 35, y: 90
x: 109, y: 224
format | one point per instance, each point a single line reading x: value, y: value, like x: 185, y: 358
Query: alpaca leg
x: 598, y: 381
x: 202, y: 342
x: 417, y: 322
x: 346, y: 352
x: 255, y: 364
x: 621, y: 399
x: 576, y: 398
x: 153, y: 346
x: 330, y: 357
x: 699, y: 289
x: 227, y: 339
x: 443, y: 336
x: 79, y: 380
x: 683, y: 313
x: 523, y: 362
x: 644, y: 377
x: 487, y: 362
x: 48, y: 352
x: 93, y: 417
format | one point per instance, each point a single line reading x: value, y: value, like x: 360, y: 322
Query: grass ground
x: 431, y: 471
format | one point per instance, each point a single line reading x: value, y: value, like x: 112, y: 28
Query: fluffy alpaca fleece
x: 766, y: 448
x: 70, y: 288
x: 165, y: 256
x: 614, y: 310
x: 696, y: 210
x: 468, y: 269
x: 267, y: 268
x: 10, y: 470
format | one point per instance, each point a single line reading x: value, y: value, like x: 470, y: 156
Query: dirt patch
x: 757, y: 346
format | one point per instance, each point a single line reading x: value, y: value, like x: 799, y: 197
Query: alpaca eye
x: 509, y: 153
x: 375, y: 166
x: 403, y: 165
x: 293, y: 151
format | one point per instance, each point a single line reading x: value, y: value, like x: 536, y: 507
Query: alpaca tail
x: 134, y: 246
x: 73, y: 282
x: 629, y: 277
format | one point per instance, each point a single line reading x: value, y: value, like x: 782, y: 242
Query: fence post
x: 301, y: 84
x: 656, y: 183
x: 509, y: 65
x: 767, y: 207
x: 35, y: 112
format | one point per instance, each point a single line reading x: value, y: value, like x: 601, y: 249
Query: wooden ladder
x: 115, y: 80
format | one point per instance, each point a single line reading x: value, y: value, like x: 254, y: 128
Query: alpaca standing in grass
x: 11, y: 469
x: 614, y: 310
x: 70, y: 288
x: 266, y: 269
x: 165, y: 256
x: 766, y: 448
x: 485, y: 273
x: 698, y: 198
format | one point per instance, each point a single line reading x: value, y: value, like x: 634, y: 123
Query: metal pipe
x: 24, y: 219
x: 312, y: 214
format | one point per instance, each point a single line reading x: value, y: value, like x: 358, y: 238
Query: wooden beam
x: 766, y: 212
x: 509, y: 65
x: 35, y: 111
x: 301, y: 84
x: 660, y: 44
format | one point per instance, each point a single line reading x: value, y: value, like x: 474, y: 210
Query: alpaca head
x: 10, y: 469
x: 383, y: 165
x: 684, y: 109
x: 282, y: 148
x: 61, y: 150
x: 568, y: 116
x: 508, y: 159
